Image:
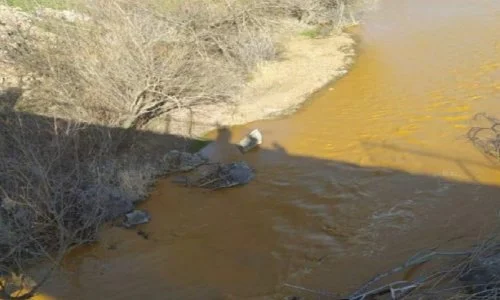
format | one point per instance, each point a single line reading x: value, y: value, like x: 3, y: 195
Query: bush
x: 60, y: 181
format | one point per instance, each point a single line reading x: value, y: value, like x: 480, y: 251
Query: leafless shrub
x: 59, y: 182
x: 135, y: 61
x: 130, y: 65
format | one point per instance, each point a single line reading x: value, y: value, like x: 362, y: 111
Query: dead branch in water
x: 476, y: 275
x: 397, y: 289
x: 487, y: 137
x: 416, y: 260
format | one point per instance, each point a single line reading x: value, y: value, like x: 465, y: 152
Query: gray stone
x: 135, y: 218
x: 226, y: 175
x: 240, y: 173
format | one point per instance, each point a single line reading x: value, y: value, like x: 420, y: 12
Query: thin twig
x: 301, y: 288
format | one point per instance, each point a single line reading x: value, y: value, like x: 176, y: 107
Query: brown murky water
x: 371, y: 170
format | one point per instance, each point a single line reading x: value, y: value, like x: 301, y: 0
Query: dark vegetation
x: 60, y: 181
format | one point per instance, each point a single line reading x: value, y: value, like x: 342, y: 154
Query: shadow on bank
x: 323, y: 224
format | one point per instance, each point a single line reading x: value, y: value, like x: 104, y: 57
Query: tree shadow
x: 8, y: 98
x: 463, y: 164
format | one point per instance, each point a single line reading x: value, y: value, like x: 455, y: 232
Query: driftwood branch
x: 397, y: 289
x: 418, y: 259
x: 486, y: 138
x: 301, y: 288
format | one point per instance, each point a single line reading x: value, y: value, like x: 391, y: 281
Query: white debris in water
x: 250, y: 141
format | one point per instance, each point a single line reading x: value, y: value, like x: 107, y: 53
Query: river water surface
x: 372, y: 169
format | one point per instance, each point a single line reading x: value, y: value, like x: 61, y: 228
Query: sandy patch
x: 277, y: 87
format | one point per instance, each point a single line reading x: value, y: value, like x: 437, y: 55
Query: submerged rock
x: 136, y: 217
x: 226, y: 175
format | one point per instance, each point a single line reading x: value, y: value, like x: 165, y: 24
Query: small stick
x: 309, y: 290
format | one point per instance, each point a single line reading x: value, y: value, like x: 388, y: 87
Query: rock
x: 226, y: 175
x: 135, y: 218
x: 239, y: 173
x: 177, y: 161
x: 250, y: 141
x: 209, y: 151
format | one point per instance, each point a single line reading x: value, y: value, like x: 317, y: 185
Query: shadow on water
x: 319, y: 223
x: 464, y: 164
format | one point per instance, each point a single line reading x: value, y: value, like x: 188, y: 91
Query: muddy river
x: 372, y: 169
